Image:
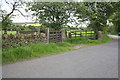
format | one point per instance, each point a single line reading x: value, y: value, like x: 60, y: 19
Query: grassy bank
x: 41, y: 49
x: 85, y: 40
x: 33, y: 50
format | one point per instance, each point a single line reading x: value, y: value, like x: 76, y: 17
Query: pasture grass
x: 9, y: 32
x: 33, y: 50
x: 41, y: 49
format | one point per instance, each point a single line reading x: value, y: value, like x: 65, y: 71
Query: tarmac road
x: 99, y: 61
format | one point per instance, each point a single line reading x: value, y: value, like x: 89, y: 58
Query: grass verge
x: 33, y: 50
x: 41, y: 49
x: 85, y: 40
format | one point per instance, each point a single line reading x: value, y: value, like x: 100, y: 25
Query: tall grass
x: 33, y: 50
x: 42, y: 49
x: 85, y: 40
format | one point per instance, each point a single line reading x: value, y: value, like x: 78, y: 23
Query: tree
x: 51, y: 14
x: 57, y: 14
x: 114, y: 18
x: 99, y: 14
x: 6, y: 22
x: 80, y: 12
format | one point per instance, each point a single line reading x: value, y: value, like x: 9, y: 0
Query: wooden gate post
x: 47, y: 35
x: 86, y: 33
x: 69, y: 35
x: 17, y: 31
x: 63, y: 34
x: 75, y: 34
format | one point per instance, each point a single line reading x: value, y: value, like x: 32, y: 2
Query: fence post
x: 69, y: 35
x: 80, y: 34
x: 47, y: 35
x: 17, y: 32
x: 63, y: 34
x: 86, y: 33
x: 75, y: 34
x: 91, y: 33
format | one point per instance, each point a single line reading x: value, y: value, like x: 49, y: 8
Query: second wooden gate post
x: 47, y: 35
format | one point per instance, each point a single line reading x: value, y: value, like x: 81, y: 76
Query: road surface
x: 99, y: 61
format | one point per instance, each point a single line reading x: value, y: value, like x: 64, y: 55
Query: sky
x: 18, y: 18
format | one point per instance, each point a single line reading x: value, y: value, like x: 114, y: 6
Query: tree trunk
x: 96, y: 34
x: 97, y: 31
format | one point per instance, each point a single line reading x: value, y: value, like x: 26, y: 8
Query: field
x: 32, y: 25
x: 10, y: 32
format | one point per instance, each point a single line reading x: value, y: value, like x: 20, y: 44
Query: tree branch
x: 7, y: 2
x: 14, y: 6
x: 20, y: 12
